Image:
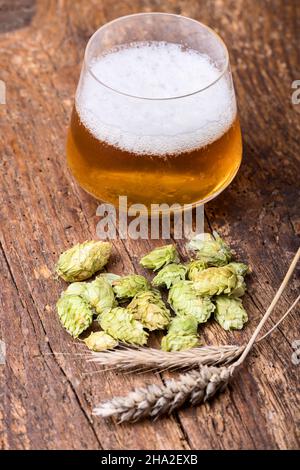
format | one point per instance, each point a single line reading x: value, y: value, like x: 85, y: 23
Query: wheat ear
x: 191, y: 388
x: 156, y: 359
x: 155, y: 400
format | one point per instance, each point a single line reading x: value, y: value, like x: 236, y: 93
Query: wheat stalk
x: 192, y: 388
x: 156, y: 359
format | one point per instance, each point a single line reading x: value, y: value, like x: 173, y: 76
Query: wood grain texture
x: 46, y: 398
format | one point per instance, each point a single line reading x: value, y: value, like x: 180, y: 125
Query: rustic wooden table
x: 46, y: 400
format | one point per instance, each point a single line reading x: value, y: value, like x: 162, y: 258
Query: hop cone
x: 210, y: 249
x: 75, y: 314
x: 149, y: 308
x: 183, y: 325
x: 239, y: 289
x: 230, y: 313
x: 185, y: 300
x: 120, y: 324
x: 160, y: 257
x: 100, y: 341
x: 128, y: 286
x: 182, y: 334
x: 169, y: 275
x: 76, y: 288
x: 216, y: 281
x: 195, y: 267
x: 240, y: 269
x: 110, y: 277
x: 83, y: 260
x: 100, y: 295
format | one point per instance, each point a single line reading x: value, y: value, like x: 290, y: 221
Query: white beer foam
x: 155, y: 126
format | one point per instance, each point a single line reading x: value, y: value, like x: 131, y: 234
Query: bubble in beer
x: 150, y: 120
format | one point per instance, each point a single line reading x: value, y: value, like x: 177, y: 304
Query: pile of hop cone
x: 128, y: 307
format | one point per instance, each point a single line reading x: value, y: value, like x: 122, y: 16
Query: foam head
x: 147, y: 121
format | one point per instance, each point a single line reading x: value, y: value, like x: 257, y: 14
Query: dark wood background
x: 46, y: 399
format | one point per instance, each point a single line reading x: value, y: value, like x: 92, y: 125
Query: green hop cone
x: 160, y: 257
x: 182, y: 334
x: 195, y: 267
x: 128, y: 286
x: 211, y: 249
x: 172, y: 342
x: 149, y: 308
x: 76, y: 288
x: 110, y: 277
x: 240, y: 269
x: 240, y: 288
x: 216, y: 281
x: 83, y: 260
x: 169, y: 275
x: 121, y: 325
x: 183, y: 325
x: 230, y: 313
x: 185, y: 300
x: 75, y: 314
x: 100, y: 341
x: 99, y: 293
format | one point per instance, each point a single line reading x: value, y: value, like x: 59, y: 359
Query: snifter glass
x: 155, y: 115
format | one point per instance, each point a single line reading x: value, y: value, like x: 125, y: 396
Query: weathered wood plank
x: 16, y: 14
x: 48, y: 399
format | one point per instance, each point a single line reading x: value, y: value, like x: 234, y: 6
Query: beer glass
x: 155, y: 116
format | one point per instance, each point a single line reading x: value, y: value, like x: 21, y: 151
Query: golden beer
x: 155, y: 120
x: 108, y: 172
